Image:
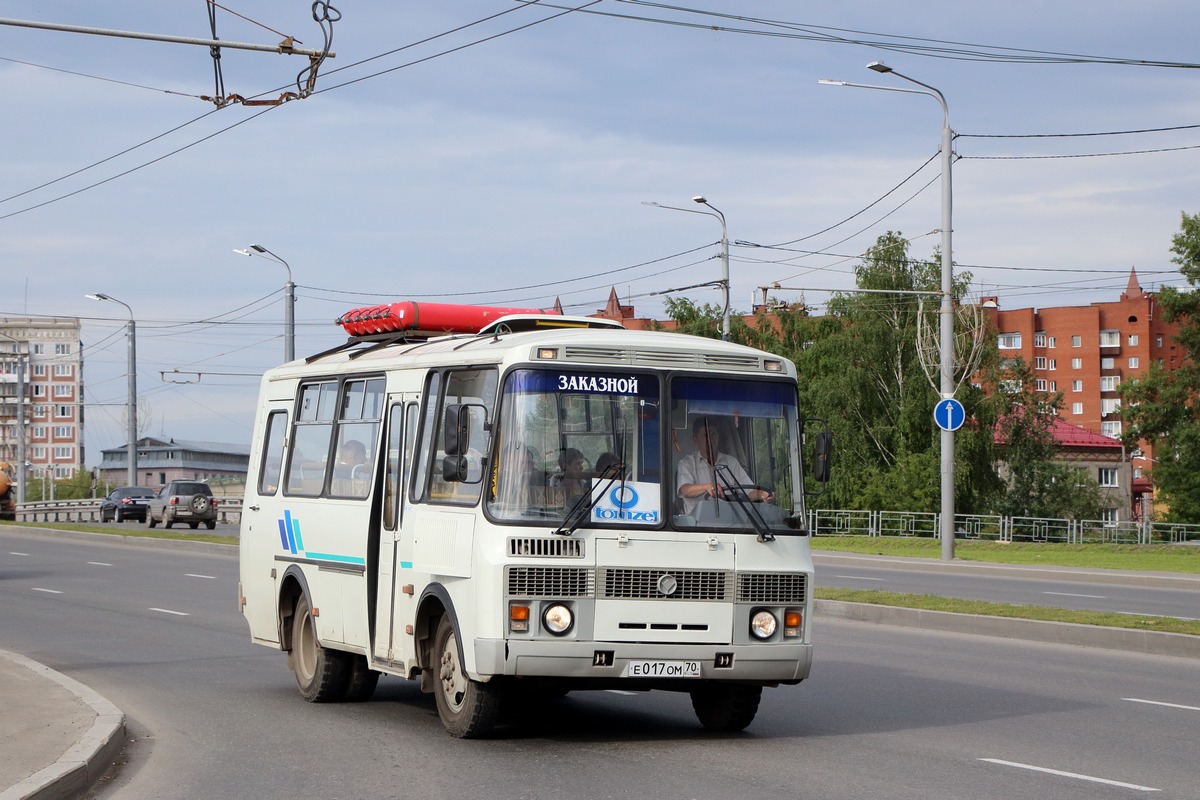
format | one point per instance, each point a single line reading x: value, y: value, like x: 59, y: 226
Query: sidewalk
x: 57, y: 735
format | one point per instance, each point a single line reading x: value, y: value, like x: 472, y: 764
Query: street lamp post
x: 131, y: 406
x: 946, y: 312
x: 289, y: 299
x: 21, y: 470
x: 724, y: 253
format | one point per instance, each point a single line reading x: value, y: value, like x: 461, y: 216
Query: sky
x: 502, y: 152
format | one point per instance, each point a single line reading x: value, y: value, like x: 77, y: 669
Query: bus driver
x: 696, y: 478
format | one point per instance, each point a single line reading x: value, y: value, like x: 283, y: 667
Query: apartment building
x: 41, y: 383
x: 1086, y: 352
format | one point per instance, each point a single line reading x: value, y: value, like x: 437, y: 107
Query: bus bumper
x: 775, y: 662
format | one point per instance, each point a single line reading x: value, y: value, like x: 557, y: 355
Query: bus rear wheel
x: 322, y: 675
x: 726, y: 707
x: 468, y: 709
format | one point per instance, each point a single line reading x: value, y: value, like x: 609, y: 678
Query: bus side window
x: 430, y: 399
x: 394, y: 477
x: 271, y: 466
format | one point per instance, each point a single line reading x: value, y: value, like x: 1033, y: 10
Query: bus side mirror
x: 822, y: 456
x: 454, y: 469
x: 456, y: 431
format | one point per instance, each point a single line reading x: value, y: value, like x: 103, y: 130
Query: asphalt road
x: 1046, y: 589
x: 887, y: 714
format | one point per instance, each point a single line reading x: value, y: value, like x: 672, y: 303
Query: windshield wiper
x: 742, y: 498
x: 582, y: 508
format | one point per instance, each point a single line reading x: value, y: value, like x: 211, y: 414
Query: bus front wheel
x: 322, y: 675
x: 726, y: 707
x: 468, y: 708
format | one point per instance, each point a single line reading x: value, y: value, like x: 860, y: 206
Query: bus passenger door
x: 390, y: 603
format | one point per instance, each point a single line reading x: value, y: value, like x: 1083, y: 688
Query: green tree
x: 1036, y: 482
x: 1161, y: 406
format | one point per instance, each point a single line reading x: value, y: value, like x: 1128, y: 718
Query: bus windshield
x: 718, y: 455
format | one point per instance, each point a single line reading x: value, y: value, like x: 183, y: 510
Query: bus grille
x: 558, y: 547
x: 772, y: 587
x: 550, y: 582
x: 645, y: 584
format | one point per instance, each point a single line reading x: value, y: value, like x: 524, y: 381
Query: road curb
x: 1124, y: 639
x: 85, y: 761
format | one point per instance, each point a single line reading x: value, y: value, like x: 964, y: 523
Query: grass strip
x: 136, y: 532
x: 952, y: 605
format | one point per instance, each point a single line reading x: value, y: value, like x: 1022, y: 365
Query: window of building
x: 1109, y: 383
x: 62, y: 431
x: 1110, y: 405
x: 1111, y: 429
x: 1039, y: 362
x: 39, y: 390
x: 1076, y: 363
x: 63, y: 390
x: 1108, y: 477
x: 1108, y: 363
x: 1110, y: 517
x: 62, y: 349
x: 1076, y: 408
x: 1110, y: 338
x: 39, y: 370
x: 39, y: 453
x: 64, y: 370
x: 1137, y: 472
x: 1054, y: 386
x: 1076, y: 341
x: 1039, y: 339
x: 40, y: 349
x: 1133, y: 340
x: 1133, y: 362
x: 1053, y: 363
x: 64, y: 452
x: 39, y: 431
x: 1052, y: 342
x: 1076, y: 386
x: 1040, y: 384
x: 1158, y: 341
x: 1010, y: 341
x: 62, y: 412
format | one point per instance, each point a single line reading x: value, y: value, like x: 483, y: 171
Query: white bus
x: 544, y: 505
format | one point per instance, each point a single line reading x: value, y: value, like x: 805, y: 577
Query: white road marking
x: 169, y: 611
x: 1161, y: 703
x: 14, y: 553
x: 47, y: 591
x: 1071, y: 594
x: 100, y: 564
x: 621, y: 692
x: 1075, y: 775
x: 207, y: 577
x: 858, y: 578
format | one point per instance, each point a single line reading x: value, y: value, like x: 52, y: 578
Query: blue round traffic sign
x: 949, y: 414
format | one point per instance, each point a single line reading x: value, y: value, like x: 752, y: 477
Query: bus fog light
x: 518, y: 618
x: 793, y: 623
x: 558, y: 619
x: 763, y: 624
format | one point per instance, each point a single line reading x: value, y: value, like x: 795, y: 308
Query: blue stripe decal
x: 283, y: 537
x: 337, y: 558
x: 296, y: 535
x: 405, y: 565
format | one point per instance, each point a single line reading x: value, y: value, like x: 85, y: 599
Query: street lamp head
x: 242, y: 251
x: 879, y: 66
x: 699, y: 199
x: 97, y: 296
x: 259, y: 248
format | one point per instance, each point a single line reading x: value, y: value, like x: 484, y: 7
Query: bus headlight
x: 763, y: 624
x: 558, y: 619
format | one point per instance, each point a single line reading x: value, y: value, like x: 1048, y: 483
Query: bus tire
x: 726, y: 707
x: 362, y: 680
x: 322, y: 675
x: 468, y: 709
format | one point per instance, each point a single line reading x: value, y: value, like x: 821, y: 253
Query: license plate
x: 662, y: 669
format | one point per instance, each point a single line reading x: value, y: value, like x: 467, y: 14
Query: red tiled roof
x: 1068, y: 435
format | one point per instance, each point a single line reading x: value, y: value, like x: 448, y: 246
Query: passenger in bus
x: 352, y: 454
x: 697, y: 479
x: 570, y: 477
x: 603, y: 464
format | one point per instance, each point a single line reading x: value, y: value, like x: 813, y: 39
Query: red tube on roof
x: 428, y: 317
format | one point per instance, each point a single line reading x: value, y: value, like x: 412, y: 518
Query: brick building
x: 46, y: 354
x: 1086, y: 352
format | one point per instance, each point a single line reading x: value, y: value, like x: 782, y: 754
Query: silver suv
x: 183, y: 501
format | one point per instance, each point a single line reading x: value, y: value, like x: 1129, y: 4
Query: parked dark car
x: 183, y: 501
x: 126, y: 502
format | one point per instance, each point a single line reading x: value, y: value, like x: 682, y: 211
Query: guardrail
x: 229, y: 511
x: 822, y: 522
